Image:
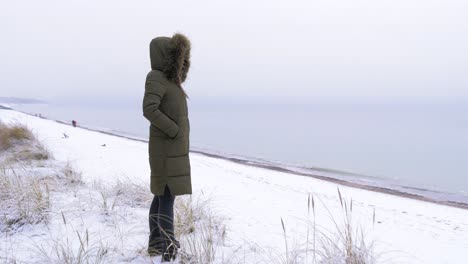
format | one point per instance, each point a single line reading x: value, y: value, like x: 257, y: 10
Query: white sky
x: 300, y: 49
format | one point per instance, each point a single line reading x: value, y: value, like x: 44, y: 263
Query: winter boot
x: 155, y: 246
x: 171, y: 252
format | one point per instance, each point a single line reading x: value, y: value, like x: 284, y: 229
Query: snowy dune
x: 254, y: 200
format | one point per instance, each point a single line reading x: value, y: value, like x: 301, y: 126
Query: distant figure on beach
x: 165, y: 107
x: 74, y: 123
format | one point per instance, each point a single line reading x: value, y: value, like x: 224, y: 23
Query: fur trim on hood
x: 171, y: 56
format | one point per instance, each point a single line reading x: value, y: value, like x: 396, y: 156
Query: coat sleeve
x: 154, y: 92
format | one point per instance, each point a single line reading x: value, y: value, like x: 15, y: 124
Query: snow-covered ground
x: 253, y: 201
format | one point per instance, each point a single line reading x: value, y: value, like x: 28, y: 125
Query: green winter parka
x: 165, y: 106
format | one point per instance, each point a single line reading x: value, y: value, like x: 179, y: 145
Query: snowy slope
x: 254, y: 200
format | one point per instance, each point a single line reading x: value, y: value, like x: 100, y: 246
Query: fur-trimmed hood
x: 171, y: 56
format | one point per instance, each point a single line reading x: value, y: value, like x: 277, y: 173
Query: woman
x: 165, y: 106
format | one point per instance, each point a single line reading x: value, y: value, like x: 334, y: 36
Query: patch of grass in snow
x: 79, y: 248
x: 7, y: 250
x: 11, y: 134
x: 131, y: 194
x: 107, y: 200
x: 35, y: 151
x: 71, y: 176
x: 24, y: 191
x: 346, y: 244
x: 17, y: 143
x: 200, y: 231
x: 25, y: 199
x: 123, y: 193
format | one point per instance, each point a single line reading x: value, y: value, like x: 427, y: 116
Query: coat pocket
x: 180, y: 144
x: 178, y: 166
x: 156, y: 132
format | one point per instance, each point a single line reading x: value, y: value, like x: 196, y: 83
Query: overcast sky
x: 295, y: 49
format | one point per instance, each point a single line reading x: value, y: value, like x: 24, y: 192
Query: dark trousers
x: 161, y: 220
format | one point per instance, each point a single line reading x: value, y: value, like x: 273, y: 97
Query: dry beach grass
x: 25, y: 199
x: 9, y: 134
